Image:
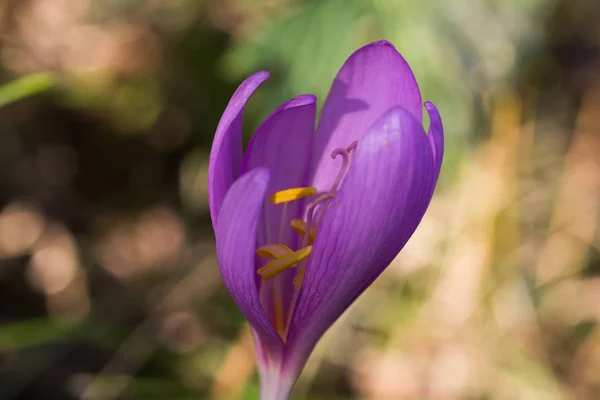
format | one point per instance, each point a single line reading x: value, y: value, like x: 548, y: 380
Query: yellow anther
x: 300, y: 226
x: 273, y: 251
x: 280, y: 264
x: 288, y: 195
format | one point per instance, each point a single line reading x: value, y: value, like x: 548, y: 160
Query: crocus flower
x: 305, y: 219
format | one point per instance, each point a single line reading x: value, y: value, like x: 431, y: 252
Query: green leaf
x: 26, y: 86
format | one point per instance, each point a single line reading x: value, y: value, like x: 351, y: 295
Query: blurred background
x: 109, y: 287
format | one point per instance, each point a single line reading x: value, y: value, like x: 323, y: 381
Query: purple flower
x: 306, y: 220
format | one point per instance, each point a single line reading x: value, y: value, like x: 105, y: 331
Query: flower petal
x: 373, y: 80
x: 435, y: 135
x: 283, y: 144
x: 236, y: 242
x: 226, y: 151
x: 377, y: 209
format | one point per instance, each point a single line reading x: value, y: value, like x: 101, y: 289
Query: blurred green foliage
x: 25, y: 86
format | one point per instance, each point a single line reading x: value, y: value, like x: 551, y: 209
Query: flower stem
x: 275, y: 386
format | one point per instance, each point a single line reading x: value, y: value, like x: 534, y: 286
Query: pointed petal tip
x: 397, y: 125
x: 262, y: 75
x: 398, y: 112
x: 430, y: 106
x: 250, y: 84
x: 259, y: 176
x: 395, y: 119
x: 302, y: 100
x: 435, y: 119
x: 383, y: 43
x: 435, y: 134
